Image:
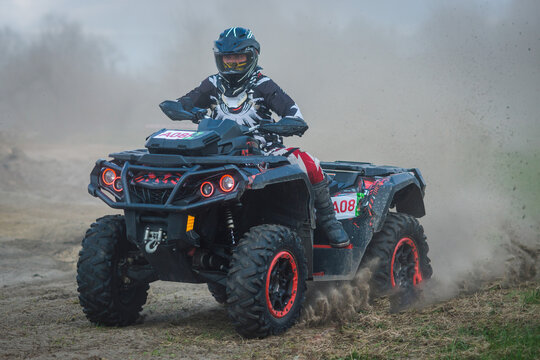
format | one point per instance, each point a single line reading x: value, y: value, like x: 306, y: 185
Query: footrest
x: 329, y: 261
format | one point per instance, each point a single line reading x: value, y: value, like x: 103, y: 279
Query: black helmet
x: 236, y: 53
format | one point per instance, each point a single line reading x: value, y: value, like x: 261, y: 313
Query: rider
x: 242, y: 93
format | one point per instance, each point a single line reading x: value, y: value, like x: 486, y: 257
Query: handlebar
x: 251, y: 129
x: 287, y: 126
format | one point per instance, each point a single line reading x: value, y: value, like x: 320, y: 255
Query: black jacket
x: 260, y: 97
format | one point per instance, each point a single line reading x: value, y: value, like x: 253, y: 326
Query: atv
x: 208, y: 206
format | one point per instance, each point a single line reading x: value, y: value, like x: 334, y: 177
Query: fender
x: 403, y: 190
x: 286, y: 194
x: 277, y: 175
x: 288, y: 176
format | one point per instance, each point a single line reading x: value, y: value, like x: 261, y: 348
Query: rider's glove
x: 198, y: 113
x: 287, y: 126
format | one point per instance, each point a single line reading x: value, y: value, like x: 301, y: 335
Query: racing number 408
x: 344, y: 206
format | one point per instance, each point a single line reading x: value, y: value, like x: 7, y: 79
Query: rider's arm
x: 279, y: 102
x: 199, y: 97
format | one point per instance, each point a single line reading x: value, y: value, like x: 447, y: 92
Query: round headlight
x: 226, y: 183
x: 108, y: 176
x: 117, y: 185
x: 207, y: 189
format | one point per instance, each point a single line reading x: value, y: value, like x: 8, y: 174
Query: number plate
x: 175, y: 135
x: 346, y: 206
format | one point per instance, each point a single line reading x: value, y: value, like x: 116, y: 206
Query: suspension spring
x: 229, y: 221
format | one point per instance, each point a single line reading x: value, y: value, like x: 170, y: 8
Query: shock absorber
x: 229, y: 222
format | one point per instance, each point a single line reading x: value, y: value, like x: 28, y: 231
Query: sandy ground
x: 42, y: 221
x: 43, y: 216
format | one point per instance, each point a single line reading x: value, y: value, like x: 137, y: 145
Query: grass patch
x: 426, y: 331
x: 530, y: 297
x: 514, y: 340
x: 456, y: 348
x: 355, y: 355
x: 459, y: 345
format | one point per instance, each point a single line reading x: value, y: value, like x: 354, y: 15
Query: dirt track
x: 40, y: 317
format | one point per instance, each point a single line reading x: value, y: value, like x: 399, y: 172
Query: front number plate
x: 175, y: 135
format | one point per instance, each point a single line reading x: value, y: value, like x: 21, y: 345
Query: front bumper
x: 173, y: 203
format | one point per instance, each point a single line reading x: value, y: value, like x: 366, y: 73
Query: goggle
x: 236, y: 62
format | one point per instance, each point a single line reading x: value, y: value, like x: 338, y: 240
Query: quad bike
x: 207, y: 206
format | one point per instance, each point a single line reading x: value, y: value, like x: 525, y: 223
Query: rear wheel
x: 400, y: 250
x: 104, y: 297
x: 267, y: 281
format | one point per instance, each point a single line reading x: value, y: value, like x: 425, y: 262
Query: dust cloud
x: 337, y: 301
x: 454, y: 94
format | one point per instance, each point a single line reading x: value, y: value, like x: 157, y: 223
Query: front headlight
x: 111, y: 181
x: 108, y: 176
x: 226, y: 183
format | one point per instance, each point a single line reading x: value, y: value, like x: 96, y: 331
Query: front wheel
x: 267, y: 281
x: 104, y: 297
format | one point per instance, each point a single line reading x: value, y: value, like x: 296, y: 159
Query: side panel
x: 402, y: 190
x: 332, y: 264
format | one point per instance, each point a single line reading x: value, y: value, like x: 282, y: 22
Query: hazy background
x: 451, y: 87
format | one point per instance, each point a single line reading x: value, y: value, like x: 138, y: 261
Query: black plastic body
x: 267, y: 190
x: 214, y: 137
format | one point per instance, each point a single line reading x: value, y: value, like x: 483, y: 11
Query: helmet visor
x: 234, y: 63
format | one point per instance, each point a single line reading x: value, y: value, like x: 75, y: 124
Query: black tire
x: 265, y: 256
x: 103, y: 296
x: 218, y: 291
x: 402, y: 263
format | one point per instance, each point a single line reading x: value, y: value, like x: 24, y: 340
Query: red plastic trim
x: 282, y: 255
x: 212, y: 193
x: 221, y: 183
x: 103, y: 176
x: 191, y: 252
x: 368, y: 184
x: 318, y: 246
x: 417, y: 275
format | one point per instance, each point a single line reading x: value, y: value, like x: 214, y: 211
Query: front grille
x: 149, y: 196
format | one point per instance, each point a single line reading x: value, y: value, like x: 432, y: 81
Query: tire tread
x: 246, y: 282
x: 95, y: 279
